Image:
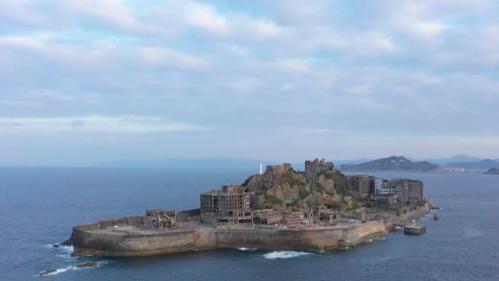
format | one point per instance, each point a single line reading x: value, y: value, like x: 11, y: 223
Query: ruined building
x: 363, y: 185
x: 411, y: 191
x: 160, y: 219
x: 230, y: 204
x: 315, y: 167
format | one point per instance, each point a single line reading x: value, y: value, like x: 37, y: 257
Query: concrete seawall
x: 314, y: 239
x: 89, y: 240
x: 125, y: 237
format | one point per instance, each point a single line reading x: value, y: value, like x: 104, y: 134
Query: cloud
x: 424, y: 67
x: 20, y: 11
x: 94, y: 124
x: 113, y: 12
x: 206, y: 18
x: 75, y: 55
x: 264, y: 27
x: 160, y: 56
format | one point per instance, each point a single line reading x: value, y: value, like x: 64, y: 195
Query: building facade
x: 361, y: 184
x: 230, y: 204
x: 382, y: 186
x: 409, y: 191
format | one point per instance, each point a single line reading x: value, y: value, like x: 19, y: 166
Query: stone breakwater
x: 124, y: 237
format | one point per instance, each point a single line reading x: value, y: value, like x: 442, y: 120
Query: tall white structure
x: 261, y: 168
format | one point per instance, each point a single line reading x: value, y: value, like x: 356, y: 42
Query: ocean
x: 39, y: 206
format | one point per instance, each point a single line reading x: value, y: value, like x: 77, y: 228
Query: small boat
x: 435, y: 217
x: 414, y: 228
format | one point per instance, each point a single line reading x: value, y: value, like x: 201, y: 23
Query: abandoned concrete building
x: 325, y: 214
x: 410, y: 191
x: 382, y: 186
x: 314, y: 167
x: 230, y: 204
x: 362, y: 184
x: 267, y: 216
x: 160, y: 219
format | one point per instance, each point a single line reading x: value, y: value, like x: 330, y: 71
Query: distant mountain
x: 393, y: 163
x: 460, y: 158
x: 477, y: 165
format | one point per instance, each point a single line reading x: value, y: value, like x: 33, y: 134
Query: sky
x: 85, y: 82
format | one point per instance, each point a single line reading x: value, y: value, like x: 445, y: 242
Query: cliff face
x: 282, y: 187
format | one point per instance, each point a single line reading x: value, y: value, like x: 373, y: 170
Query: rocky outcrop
x: 282, y: 187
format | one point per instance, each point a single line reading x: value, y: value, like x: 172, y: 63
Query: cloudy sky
x: 98, y: 80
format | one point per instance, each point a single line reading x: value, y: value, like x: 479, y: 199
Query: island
x: 493, y: 171
x: 316, y: 210
x: 393, y: 163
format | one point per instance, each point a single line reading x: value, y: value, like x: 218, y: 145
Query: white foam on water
x: 247, y: 249
x: 76, y: 267
x: 57, y: 271
x: 65, y: 250
x: 285, y: 255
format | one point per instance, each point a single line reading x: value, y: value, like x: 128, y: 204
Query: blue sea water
x: 39, y: 206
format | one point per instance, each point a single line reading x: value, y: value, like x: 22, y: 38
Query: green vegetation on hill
x: 286, y: 188
x: 340, y: 182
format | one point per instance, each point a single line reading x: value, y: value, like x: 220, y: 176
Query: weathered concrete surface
x: 125, y: 237
x: 409, y: 216
x: 90, y: 241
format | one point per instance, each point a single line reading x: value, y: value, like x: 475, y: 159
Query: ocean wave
x: 81, y: 266
x: 66, y: 250
x: 285, y: 255
x: 247, y: 249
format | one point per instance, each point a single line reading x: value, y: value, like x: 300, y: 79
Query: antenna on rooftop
x: 261, y: 168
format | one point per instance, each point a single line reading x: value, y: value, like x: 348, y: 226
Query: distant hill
x: 460, y: 158
x: 393, y: 163
x: 477, y: 165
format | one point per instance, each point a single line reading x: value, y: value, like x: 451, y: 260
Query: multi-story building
x: 382, y: 186
x: 230, y: 204
x: 361, y: 184
x: 409, y: 191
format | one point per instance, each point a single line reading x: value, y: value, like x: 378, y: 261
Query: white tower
x: 261, y: 168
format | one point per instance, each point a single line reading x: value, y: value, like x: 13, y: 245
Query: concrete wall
x: 89, y: 242
x: 314, y: 240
